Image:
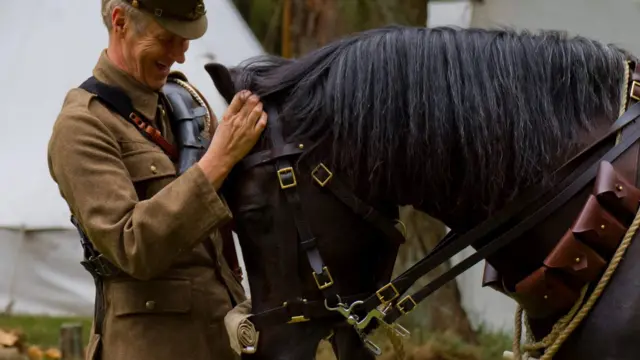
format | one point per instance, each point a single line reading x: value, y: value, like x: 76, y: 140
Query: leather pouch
x: 543, y: 294
x: 575, y: 259
x: 616, y: 194
x: 598, y: 229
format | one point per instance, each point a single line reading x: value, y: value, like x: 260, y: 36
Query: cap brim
x: 189, y: 30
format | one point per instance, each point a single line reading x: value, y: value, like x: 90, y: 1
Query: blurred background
x: 49, y: 46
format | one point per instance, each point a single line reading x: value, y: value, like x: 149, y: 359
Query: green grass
x: 43, y: 331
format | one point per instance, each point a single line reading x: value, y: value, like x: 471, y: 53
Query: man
x: 170, y: 287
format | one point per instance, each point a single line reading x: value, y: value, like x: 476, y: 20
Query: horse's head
x: 305, y: 236
x: 457, y: 123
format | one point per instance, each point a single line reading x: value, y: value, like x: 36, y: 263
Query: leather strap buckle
x: 632, y: 91
x: 385, y: 296
x: 318, y: 173
x: 287, y: 178
x: 328, y: 280
x: 99, y: 266
x: 405, y: 309
x: 298, y: 318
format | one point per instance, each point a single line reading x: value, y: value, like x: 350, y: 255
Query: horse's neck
x: 542, y: 269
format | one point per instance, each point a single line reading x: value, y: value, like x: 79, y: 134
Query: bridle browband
x: 366, y: 311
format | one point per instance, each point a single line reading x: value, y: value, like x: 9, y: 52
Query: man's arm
x: 141, y: 237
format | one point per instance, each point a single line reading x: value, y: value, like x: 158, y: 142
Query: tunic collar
x: 144, y: 99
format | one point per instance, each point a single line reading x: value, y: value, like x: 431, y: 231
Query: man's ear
x: 118, y: 20
x: 222, y: 80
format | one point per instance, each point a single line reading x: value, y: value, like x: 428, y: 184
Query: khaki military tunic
x: 171, y: 297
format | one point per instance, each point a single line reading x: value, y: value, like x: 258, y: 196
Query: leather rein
x: 366, y: 311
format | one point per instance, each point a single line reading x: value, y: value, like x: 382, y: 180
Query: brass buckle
x: 315, y: 171
x: 326, y: 284
x: 297, y: 319
x: 401, y: 307
x: 632, y: 91
x: 293, y: 175
x: 384, y: 288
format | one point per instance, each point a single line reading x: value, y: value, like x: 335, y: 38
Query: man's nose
x: 179, y: 57
x: 178, y: 52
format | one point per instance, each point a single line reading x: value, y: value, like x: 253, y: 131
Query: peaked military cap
x: 185, y: 18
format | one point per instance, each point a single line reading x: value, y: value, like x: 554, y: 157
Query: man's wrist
x: 215, y: 168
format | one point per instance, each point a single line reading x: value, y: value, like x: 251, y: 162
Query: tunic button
x: 150, y: 305
x: 154, y: 169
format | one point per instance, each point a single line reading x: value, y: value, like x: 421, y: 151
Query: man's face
x: 150, y: 54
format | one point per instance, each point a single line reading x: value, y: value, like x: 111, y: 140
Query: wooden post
x: 71, y: 346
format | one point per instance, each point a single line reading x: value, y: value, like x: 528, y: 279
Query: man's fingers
x: 254, y: 115
x: 262, y: 123
x: 238, y: 101
x: 251, y: 103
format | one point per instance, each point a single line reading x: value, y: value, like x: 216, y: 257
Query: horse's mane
x: 444, y: 110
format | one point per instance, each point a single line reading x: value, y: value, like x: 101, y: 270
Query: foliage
x: 316, y: 22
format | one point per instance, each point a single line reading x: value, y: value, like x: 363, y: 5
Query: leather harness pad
x: 616, y: 193
x: 598, y: 229
x: 543, y: 294
x: 576, y: 259
x: 582, y: 254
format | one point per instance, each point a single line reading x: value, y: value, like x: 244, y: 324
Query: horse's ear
x: 222, y: 80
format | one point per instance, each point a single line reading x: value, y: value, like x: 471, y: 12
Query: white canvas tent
x: 48, y: 47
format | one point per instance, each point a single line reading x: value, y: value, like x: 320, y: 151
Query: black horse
x: 474, y: 127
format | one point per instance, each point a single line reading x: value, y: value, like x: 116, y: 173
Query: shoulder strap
x: 118, y: 101
x: 189, y: 117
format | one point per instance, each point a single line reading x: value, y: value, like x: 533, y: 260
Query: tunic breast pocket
x: 150, y: 170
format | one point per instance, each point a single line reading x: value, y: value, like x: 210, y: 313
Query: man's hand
x: 240, y: 128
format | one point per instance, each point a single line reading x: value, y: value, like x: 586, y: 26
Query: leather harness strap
x: 450, y: 245
x: 324, y: 178
x: 306, y: 240
x: 545, y: 201
x: 120, y: 103
x: 266, y: 156
x: 546, y: 210
x: 298, y: 310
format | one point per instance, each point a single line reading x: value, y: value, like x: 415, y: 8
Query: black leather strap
x: 323, y: 177
x: 99, y: 268
x: 118, y: 101
x: 290, y: 312
x: 562, y: 193
x: 279, y: 154
x: 517, y: 231
x: 266, y: 156
x: 306, y: 240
